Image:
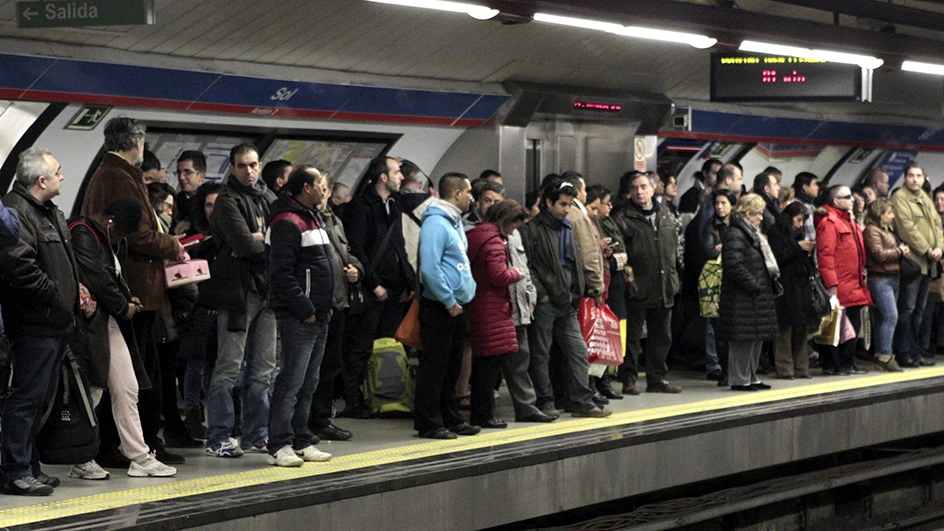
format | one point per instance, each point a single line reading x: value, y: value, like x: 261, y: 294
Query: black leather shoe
x: 605, y: 389
x: 599, y: 399
x: 743, y: 388
x: 168, y: 458
x: 181, y: 440
x: 492, y: 424
x: 714, y: 376
x: 858, y: 370
x: 760, y: 386
x: 537, y: 417
x: 333, y: 433
x: 438, y: 433
x: 906, y: 362
x: 927, y: 362
x: 465, y: 429
x: 109, y: 457
x: 355, y: 412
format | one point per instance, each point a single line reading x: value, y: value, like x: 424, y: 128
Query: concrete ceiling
x: 364, y: 38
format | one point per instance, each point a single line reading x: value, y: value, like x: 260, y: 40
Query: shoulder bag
x: 356, y: 298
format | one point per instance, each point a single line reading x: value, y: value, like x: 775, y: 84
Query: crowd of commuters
x: 876, y: 251
x: 305, y: 277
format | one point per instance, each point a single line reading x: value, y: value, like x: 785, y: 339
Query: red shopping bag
x: 601, y: 331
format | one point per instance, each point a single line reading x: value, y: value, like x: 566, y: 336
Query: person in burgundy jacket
x: 840, y: 254
x: 491, y: 322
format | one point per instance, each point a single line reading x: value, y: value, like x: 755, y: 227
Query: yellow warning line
x: 269, y: 474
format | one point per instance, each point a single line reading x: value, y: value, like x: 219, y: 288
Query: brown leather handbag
x: 409, y: 332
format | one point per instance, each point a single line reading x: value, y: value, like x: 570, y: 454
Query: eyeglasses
x: 187, y: 173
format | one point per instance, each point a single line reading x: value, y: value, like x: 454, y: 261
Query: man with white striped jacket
x: 301, y: 292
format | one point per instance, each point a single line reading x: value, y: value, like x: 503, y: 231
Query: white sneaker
x: 151, y: 468
x: 285, y: 457
x: 90, y: 470
x: 312, y: 454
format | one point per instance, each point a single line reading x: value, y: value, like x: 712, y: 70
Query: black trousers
x: 380, y: 319
x: 485, y: 372
x: 443, y: 336
x: 659, y: 325
x: 149, y: 400
x: 320, y: 416
x: 167, y: 353
x: 843, y: 356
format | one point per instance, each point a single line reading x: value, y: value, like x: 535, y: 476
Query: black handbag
x: 819, y: 297
x: 910, y: 269
x: 356, y: 302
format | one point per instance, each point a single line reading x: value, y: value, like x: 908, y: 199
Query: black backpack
x: 69, y: 434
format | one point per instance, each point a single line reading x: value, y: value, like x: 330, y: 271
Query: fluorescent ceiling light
x: 865, y: 61
x: 924, y: 68
x: 697, y: 41
x: 474, y: 11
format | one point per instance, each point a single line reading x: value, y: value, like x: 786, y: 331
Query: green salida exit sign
x: 75, y: 13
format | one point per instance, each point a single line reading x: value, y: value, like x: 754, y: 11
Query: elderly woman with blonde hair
x: 748, y: 315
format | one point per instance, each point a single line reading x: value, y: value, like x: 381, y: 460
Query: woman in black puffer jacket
x: 748, y: 316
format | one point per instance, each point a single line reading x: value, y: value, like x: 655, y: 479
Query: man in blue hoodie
x: 447, y: 284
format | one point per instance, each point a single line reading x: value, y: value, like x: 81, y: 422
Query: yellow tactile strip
x: 268, y: 474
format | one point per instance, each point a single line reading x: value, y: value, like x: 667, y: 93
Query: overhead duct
x: 585, y: 104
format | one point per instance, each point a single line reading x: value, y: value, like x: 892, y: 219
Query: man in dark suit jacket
x: 706, y: 178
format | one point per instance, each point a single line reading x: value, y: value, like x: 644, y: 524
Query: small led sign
x: 595, y: 106
x: 739, y: 76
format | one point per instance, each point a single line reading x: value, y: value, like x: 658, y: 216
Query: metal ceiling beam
x: 731, y: 26
x: 881, y: 11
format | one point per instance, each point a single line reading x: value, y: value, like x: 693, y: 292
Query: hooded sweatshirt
x: 444, y: 267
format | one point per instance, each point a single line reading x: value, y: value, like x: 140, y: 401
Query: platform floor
x: 379, y: 442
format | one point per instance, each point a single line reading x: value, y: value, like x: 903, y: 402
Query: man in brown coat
x: 120, y: 176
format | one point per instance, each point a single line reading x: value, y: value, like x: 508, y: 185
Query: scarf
x: 565, y: 244
x: 650, y: 213
x: 769, y: 260
x: 804, y: 197
x: 252, y: 195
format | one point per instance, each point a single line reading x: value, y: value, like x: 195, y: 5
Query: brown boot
x: 629, y: 386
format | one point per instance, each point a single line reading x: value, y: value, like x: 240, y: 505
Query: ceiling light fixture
x: 865, y: 61
x: 473, y: 10
x: 696, y: 41
x: 924, y: 68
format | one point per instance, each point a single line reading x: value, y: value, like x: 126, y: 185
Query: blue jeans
x: 711, y: 348
x: 257, y: 346
x: 912, y: 299
x: 559, y: 323
x: 885, y: 305
x: 303, y: 347
x: 35, y: 360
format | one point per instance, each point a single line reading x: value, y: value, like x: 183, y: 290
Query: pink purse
x: 186, y: 272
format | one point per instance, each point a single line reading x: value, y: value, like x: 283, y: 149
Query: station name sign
x: 79, y: 13
x: 737, y: 76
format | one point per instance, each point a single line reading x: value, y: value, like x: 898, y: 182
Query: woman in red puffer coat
x: 491, y: 323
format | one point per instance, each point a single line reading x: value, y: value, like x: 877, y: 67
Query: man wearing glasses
x: 40, y: 297
x: 840, y: 255
x: 191, y: 172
